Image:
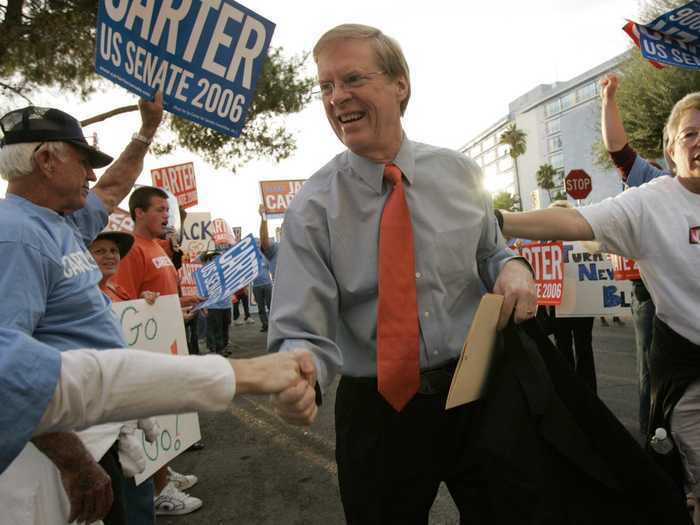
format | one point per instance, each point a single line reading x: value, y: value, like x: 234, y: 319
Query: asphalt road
x: 256, y: 469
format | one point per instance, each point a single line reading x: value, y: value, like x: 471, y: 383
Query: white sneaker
x: 238, y: 322
x: 173, y: 502
x: 181, y: 481
x: 250, y: 320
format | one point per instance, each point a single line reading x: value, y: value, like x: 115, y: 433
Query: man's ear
x: 402, y: 88
x: 138, y: 213
x: 45, y: 163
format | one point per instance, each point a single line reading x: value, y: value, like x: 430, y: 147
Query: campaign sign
x: 188, y: 286
x: 205, y: 57
x: 590, y: 288
x: 197, y: 234
x: 546, y: 260
x: 672, y: 38
x: 222, y: 232
x: 232, y: 270
x: 237, y: 232
x: 178, y: 180
x: 120, y: 221
x: 277, y: 194
x: 624, y: 269
x: 159, y: 328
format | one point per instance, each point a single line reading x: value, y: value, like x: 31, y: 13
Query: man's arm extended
x: 119, y: 178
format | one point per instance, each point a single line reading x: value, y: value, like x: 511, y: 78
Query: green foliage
x: 516, y: 139
x: 506, y: 201
x: 51, y: 44
x: 601, y: 157
x: 545, y: 177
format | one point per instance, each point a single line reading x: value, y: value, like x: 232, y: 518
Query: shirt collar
x: 373, y: 174
x: 29, y: 205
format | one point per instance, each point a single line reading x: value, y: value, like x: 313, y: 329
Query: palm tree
x: 505, y: 201
x: 517, y: 140
x: 545, y: 178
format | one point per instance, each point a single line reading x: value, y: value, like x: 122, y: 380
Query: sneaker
x: 182, y: 481
x: 238, y: 322
x: 173, y: 502
x: 250, y: 321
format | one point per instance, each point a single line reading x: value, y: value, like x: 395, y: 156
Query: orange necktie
x: 398, y: 362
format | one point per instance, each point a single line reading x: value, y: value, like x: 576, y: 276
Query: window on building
x: 586, y: 92
x: 489, y: 156
x: 475, y: 151
x: 491, y: 170
x: 568, y: 100
x: 488, y: 142
x: 552, y: 108
x: 554, y: 143
x: 557, y: 160
x: 505, y: 163
x: 552, y: 126
x: 503, y: 150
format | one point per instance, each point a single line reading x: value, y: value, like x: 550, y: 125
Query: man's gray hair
x: 390, y: 58
x: 17, y: 160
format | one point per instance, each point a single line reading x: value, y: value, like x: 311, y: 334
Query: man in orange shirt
x: 148, y: 268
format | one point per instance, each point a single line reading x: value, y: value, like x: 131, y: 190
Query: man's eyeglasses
x: 351, y: 81
x: 688, y: 136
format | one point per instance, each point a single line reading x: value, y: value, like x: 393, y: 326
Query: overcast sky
x: 467, y: 61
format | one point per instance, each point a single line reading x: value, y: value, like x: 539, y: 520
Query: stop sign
x: 578, y: 184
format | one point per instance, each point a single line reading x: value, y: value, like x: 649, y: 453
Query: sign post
x: 578, y: 184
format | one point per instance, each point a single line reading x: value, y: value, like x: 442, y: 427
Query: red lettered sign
x: 624, y: 269
x: 178, y: 180
x: 120, y: 221
x: 188, y: 286
x: 578, y: 184
x: 547, y: 261
x: 277, y: 194
x: 222, y: 232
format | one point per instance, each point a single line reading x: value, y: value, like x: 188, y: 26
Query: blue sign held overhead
x: 205, y: 56
x: 672, y: 39
x: 229, y: 272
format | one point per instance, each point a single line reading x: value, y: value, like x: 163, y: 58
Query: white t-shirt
x: 658, y: 225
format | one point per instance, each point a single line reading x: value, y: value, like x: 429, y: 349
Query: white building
x: 562, y: 123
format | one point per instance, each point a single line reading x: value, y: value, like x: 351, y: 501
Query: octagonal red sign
x: 578, y: 184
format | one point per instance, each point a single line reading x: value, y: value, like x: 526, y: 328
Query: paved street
x: 256, y: 469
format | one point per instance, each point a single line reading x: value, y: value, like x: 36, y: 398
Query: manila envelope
x: 474, y: 363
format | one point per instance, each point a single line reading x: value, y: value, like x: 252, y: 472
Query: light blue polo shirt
x: 48, y: 278
x: 24, y: 392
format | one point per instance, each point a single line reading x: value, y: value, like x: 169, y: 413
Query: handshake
x: 289, y: 376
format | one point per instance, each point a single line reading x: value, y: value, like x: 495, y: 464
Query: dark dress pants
x: 390, y: 464
x: 577, y: 333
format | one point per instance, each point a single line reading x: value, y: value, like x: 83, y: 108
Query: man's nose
x: 340, y: 94
x: 91, y: 175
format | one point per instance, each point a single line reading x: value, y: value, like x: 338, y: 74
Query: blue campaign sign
x: 205, y: 56
x: 673, y: 38
x: 229, y: 272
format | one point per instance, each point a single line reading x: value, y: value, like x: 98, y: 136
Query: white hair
x: 17, y: 160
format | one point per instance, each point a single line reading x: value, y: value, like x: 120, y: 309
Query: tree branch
x: 108, y: 114
x: 16, y: 92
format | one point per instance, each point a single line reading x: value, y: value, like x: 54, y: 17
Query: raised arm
x: 614, y: 135
x: 264, y: 235
x: 562, y: 224
x: 119, y: 178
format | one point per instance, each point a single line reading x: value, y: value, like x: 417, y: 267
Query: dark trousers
x: 577, y: 332
x: 390, y: 464
x: 192, y: 332
x: 236, y: 312
x: 217, y: 329
x: 110, y: 463
x: 643, y: 312
x: 263, y: 296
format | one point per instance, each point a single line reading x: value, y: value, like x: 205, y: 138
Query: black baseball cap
x: 123, y: 240
x: 35, y: 124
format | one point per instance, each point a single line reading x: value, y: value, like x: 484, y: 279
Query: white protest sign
x: 197, y: 234
x: 590, y: 288
x: 159, y: 328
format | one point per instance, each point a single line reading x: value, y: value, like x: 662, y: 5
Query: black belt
x: 433, y: 381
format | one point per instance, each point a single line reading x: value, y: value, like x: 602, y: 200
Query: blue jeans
x: 643, y: 316
x: 139, y: 502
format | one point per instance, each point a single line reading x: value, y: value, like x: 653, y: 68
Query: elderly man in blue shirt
x: 49, y: 279
x: 385, y: 255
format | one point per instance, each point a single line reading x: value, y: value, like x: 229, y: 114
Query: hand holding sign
x: 151, y: 115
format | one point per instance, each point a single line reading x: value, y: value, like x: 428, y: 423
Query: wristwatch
x: 141, y: 138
